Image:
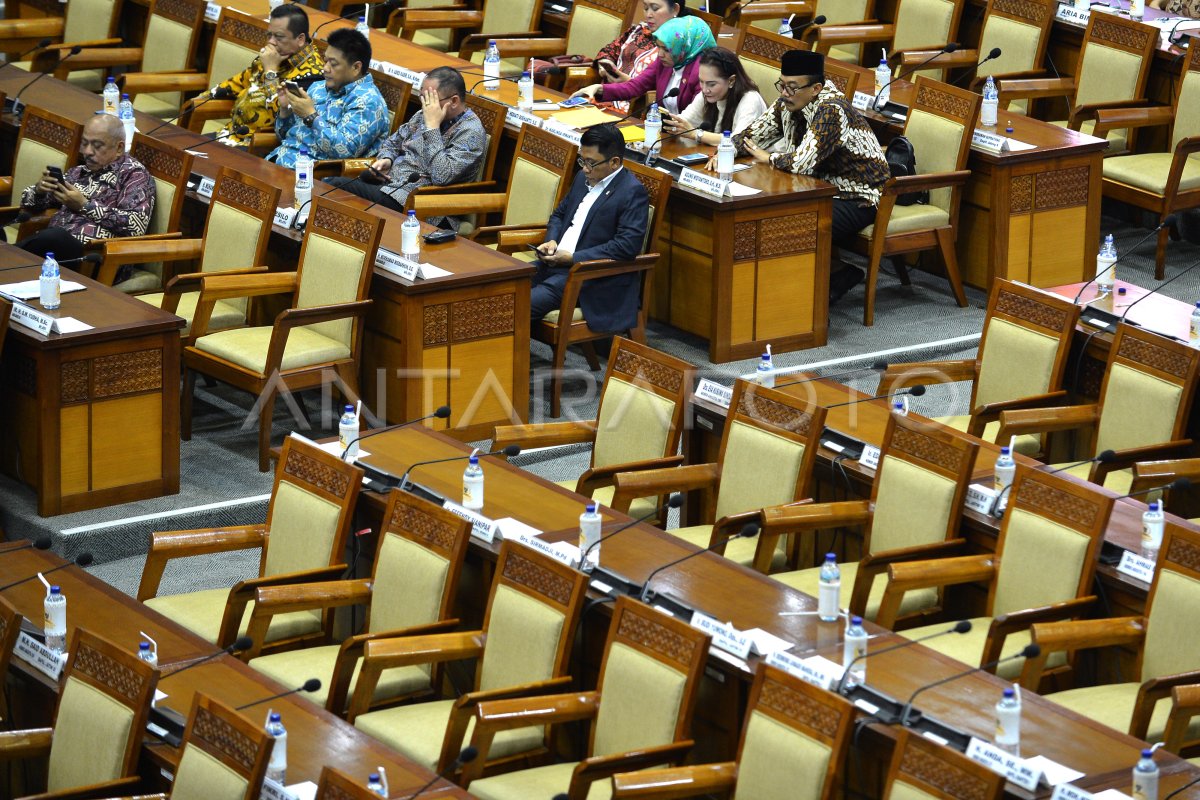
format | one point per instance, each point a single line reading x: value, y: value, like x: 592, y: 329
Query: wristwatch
x: 270, y: 75
x: 310, y: 119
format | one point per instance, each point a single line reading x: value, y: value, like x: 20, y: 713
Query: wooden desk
x: 91, y: 419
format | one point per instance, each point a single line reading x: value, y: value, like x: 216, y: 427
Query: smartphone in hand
x: 56, y: 173
x: 292, y: 87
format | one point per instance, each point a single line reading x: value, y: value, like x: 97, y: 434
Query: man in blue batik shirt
x: 343, y: 116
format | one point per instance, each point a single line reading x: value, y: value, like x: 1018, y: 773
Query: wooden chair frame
x: 826, y: 37
x: 230, y: 738
x: 939, y: 771
x: 17, y: 35
x: 49, y: 129
x: 337, y: 785
x: 765, y: 47
x: 464, y: 22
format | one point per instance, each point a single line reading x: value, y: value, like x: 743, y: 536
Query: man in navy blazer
x: 605, y: 215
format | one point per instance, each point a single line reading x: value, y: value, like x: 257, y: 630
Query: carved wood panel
x: 1049, y: 501
x: 1043, y: 315
x: 219, y: 737
x: 640, y: 628
x: 538, y: 579
x: 306, y: 469
x: 640, y: 368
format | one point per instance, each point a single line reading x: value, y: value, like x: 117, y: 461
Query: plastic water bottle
x: 830, y: 589
x: 363, y: 28
x: 1195, y: 337
x: 375, y: 786
x: 473, y: 484
x: 1008, y: 723
x: 274, y: 4
x: 991, y: 104
x: 277, y: 768
x: 51, y: 283
x: 883, y: 80
x: 1137, y: 9
x: 589, y: 534
x: 302, y: 194
x: 410, y: 237
x: 126, y: 114
x: 112, y: 97
x: 653, y: 126
x: 348, y: 433
x: 1105, y: 271
x: 1145, y: 777
x: 491, y: 67
x: 854, y: 646
x: 304, y: 162
x: 525, y: 90
x: 147, y: 655
x: 726, y: 153
x: 1153, y: 520
x: 55, y: 625
x: 900, y: 405
x: 785, y: 28
x: 1003, y: 472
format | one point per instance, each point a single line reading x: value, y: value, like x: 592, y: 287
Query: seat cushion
x: 739, y: 550
x: 604, y: 495
x: 224, y: 314
x: 1027, y: 444
x: 418, y: 730
x: 140, y: 280
x: 156, y: 106
x: 809, y: 582
x: 294, y: 667
x: 537, y: 782
x: 576, y: 315
x: 968, y: 647
x: 200, y: 612
x: 247, y: 347
x: 1149, y: 171
x: 911, y: 218
x: 1118, y: 140
x: 1112, y: 705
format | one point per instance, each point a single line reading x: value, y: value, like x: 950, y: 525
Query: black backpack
x: 902, y: 160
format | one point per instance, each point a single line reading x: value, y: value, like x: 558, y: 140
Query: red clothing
x: 656, y: 77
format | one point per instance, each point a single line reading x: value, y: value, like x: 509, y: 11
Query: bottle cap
x: 51, y: 255
x: 349, y: 407
x: 1121, y: 290
x: 412, y: 214
x: 303, y: 176
x: 491, y: 42
x: 1004, y: 451
x: 727, y: 133
x: 111, y: 79
x: 591, y: 508
x: 1154, y: 505
x: 55, y: 590
x: 124, y: 96
x: 373, y: 777
x: 525, y: 74
x: 144, y: 646
x: 1009, y: 692
x: 831, y: 556
x: 1147, y: 753
x: 856, y: 620
x: 275, y: 716
x: 473, y: 460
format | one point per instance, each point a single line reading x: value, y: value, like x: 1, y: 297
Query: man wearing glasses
x: 443, y: 143
x: 813, y: 130
x: 603, y: 216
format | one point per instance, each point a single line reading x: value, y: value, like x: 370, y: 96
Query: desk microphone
x: 878, y: 366
x: 510, y: 451
x: 950, y: 47
x: 915, y: 391
x: 16, y: 101
x: 191, y: 105
x: 800, y: 27
x: 443, y: 412
x: 41, y: 543
x: 1103, y: 457
x: 994, y: 53
x: 388, y: 5
x: 310, y: 685
x: 674, y: 501
x: 962, y: 626
x: 1159, y: 288
x: 167, y: 723
x: 1187, y: 785
x: 1030, y: 651
x: 748, y: 531
x: 239, y: 130
x: 467, y: 755
x: 81, y: 560
x: 90, y: 258
x: 1178, y: 483
x: 242, y: 643
x: 1170, y: 220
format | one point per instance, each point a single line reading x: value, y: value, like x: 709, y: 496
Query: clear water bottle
x: 126, y: 115
x: 304, y: 162
x: 726, y: 153
x: 589, y: 534
x: 302, y: 194
x: 375, y: 786
x: 274, y: 4
x: 277, y: 767
x: 491, y: 67
x: 145, y: 653
x: 348, y: 433
x: 653, y: 126
x: 1153, y: 520
x: 112, y: 97
x: 991, y: 104
x: 363, y: 28
x: 525, y: 90
x: 1195, y: 337
x: 410, y: 237
x: 1008, y: 723
x: 883, y: 80
x: 1145, y: 777
x: 51, y: 283
x: 473, y: 484
x: 854, y: 646
x: 1106, y: 270
x: 1137, y: 9
x: 830, y: 590
x: 764, y: 375
x: 785, y: 27
x: 1003, y: 475
x: 900, y: 405
x: 55, y: 627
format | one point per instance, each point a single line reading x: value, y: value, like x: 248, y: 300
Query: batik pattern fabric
x: 1185, y: 8
x: 633, y: 53
x: 120, y: 201
x: 256, y: 99
x: 350, y: 123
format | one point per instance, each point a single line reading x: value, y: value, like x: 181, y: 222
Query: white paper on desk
x: 764, y: 643
x: 31, y: 290
x: 306, y: 790
x: 1053, y: 772
x: 335, y: 449
x: 70, y: 325
x: 738, y: 190
x: 545, y: 105
x: 512, y: 528
x: 430, y: 271
x: 159, y: 695
x: 740, y: 167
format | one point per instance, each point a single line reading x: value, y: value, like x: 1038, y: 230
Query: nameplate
x: 715, y: 393
x: 40, y: 657
x: 397, y: 264
x: 870, y: 457
x: 30, y: 317
x: 562, y: 131
x: 810, y: 670
x: 724, y: 637
x: 1069, y: 13
x: 1065, y: 791
x: 990, y: 142
x: 560, y: 551
x: 272, y: 790
x: 481, y: 527
x: 205, y: 187
x: 1013, y: 768
x: 862, y: 101
x: 709, y: 184
x: 1136, y: 567
x: 980, y: 498
x: 285, y: 217
x: 212, y: 12
x: 409, y: 76
x: 519, y: 116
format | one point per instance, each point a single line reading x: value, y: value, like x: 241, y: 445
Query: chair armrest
x: 194, y: 118
x: 598, y: 768
x: 243, y: 592
x: 1185, y: 705
x: 597, y: 477
x: 91, y: 790
x: 449, y: 205
x: 1079, y: 634
x: 1033, y: 88
x: 512, y: 240
x: 492, y: 233
x: 1046, y: 420
x: 511, y: 45
x: 830, y: 35
x: 578, y: 77
x: 907, y: 576
x: 32, y: 743
x: 1150, y: 692
x: 415, y: 19
x: 449, y: 188
x: 791, y: 518
x: 221, y: 286
x: 1088, y: 110
x: 875, y: 564
x: 546, y: 434
x: 271, y: 600
x: 1114, y: 118
x: 675, y: 782
x: 466, y: 706
x: 119, y: 252
x: 166, y: 545
x: 31, y: 28
x: 925, y: 182
x: 101, y: 57
x: 937, y: 59
x: 1125, y: 459
x: 495, y: 716
x: 194, y: 281
x: 1180, y: 158
x: 1015, y: 621
x: 134, y: 83
x: 299, y: 317
x: 632, y: 485
x: 990, y: 412
x: 901, y: 376
x: 1156, y: 473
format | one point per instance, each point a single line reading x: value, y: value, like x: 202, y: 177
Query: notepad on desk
x: 583, y: 117
x: 31, y: 290
x: 633, y: 133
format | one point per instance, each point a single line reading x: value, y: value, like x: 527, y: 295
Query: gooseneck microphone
x: 467, y: 755
x: 815, y: 22
x: 748, y: 531
x: 878, y: 366
x: 1170, y: 220
x: 1178, y: 483
x: 674, y: 501
x: 237, y: 130
x: 90, y: 258
x: 81, y: 560
x: 993, y: 54
x: 1159, y: 288
x: 388, y: 5
x: 41, y: 543
x: 310, y: 685
x: 915, y: 391
x: 17, y: 105
x: 1103, y: 457
x: 1029, y: 651
x: 443, y: 412
x: 510, y: 451
x: 949, y: 48
x: 167, y: 723
x: 1187, y: 785
x: 240, y: 644
x: 962, y: 626
x: 192, y: 105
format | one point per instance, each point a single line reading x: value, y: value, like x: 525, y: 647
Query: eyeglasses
x: 787, y: 91
x: 588, y: 166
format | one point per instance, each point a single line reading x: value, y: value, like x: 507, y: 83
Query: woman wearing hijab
x: 675, y: 76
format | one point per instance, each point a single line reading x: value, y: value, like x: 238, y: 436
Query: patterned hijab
x: 685, y: 38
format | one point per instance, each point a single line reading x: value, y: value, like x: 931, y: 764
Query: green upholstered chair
x: 914, y: 513
x: 940, y: 123
x: 760, y: 52
x: 1113, y: 66
x: 302, y: 540
x: 840, y: 13
x: 764, y: 426
x: 1042, y: 570
x: 468, y: 30
x: 919, y: 25
x: 98, y: 723
x: 411, y: 591
x: 1160, y: 182
x: 794, y: 742
x: 224, y: 755
x: 317, y: 339
x: 638, y: 424
x: 640, y: 712
x: 924, y: 770
x: 1142, y: 412
x: 1185, y: 707
x: 46, y: 139
x: 523, y: 649
x: 1168, y: 651
x: 235, y: 241
x: 88, y: 24
x: 1020, y: 362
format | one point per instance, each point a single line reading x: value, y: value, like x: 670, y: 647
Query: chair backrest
x: 46, y: 139
x: 417, y: 563
x: 1147, y: 391
x: 10, y: 618
x: 510, y: 16
x: 1115, y: 60
x: 641, y: 404
x: 658, y: 188
x: 595, y: 23
x: 239, y: 38
x: 224, y: 754
x: 101, y: 714
x: 940, y: 124
x: 794, y: 740
x: 1187, y: 101
x: 843, y: 76
x: 766, y: 426
x: 1021, y: 29
x: 491, y: 114
x: 541, y: 173
x: 170, y: 168
x: 89, y: 20
x: 395, y: 94
x: 170, y: 44
x: 530, y: 619
x: 336, y: 263
x: 238, y: 228
x: 337, y: 785
x: 1171, y: 645
x: 1049, y: 541
x: 843, y: 12
x: 310, y: 510
x: 1026, y: 338
x: 648, y: 680
x: 925, y: 24
x: 761, y: 52
x: 925, y: 770
x: 932, y: 462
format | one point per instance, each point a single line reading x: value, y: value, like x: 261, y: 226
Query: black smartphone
x: 292, y: 87
x: 437, y: 237
x: 56, y: 173
x: 534, y: 248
